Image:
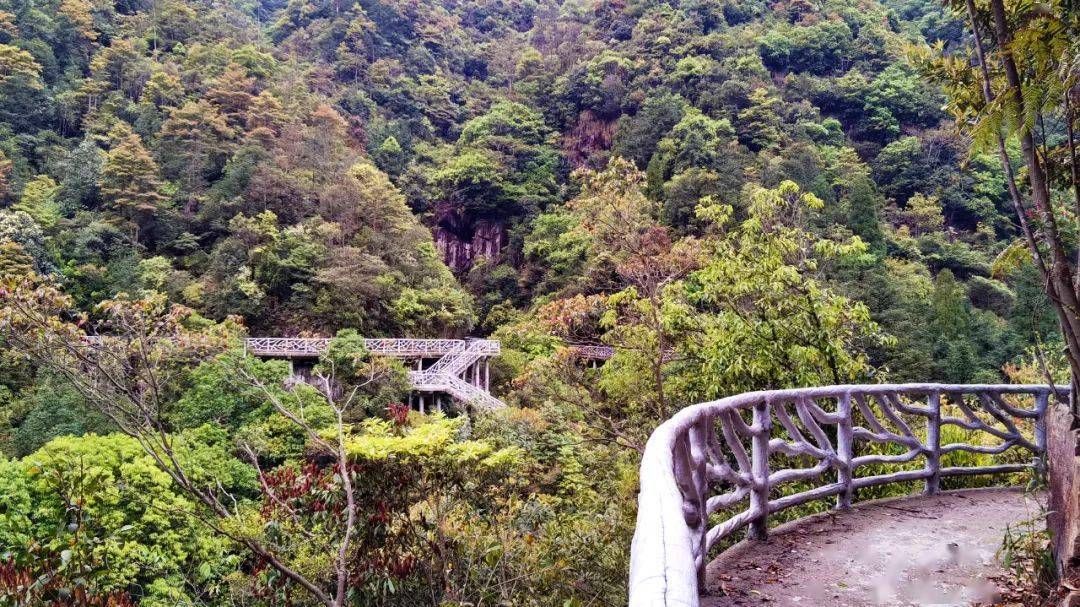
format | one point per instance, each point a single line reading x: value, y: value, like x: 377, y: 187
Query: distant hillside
x: 261, y: 160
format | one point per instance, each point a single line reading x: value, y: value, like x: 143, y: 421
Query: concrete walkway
x: 919, y: 551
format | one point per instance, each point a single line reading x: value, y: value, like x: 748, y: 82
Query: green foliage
x: 864, y: 206
x: 14, y: 261
x: 102, y: 508
x: 817, y: 48
x: 389, y: 156
x: 185, y: 130
x: 215, y: 397
x: 52, y: 409
x: 765, y: 320
x: 129, y: 182
x: 17, y: 64
x: 638, y: 135
x: 373, y: 383
x: 560, y: 251
x: 19, y: 228
x: 39, y: 200
x: 194, y: 142
x: 501, y: 165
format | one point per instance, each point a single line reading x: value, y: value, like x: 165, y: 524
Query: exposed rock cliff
x: 461, y: 240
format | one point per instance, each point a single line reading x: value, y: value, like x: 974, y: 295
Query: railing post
x: 1042, y: 401
x: 697, y: 437
x: 759, y: 471
x: 844, y: 448
x: 933, y: 444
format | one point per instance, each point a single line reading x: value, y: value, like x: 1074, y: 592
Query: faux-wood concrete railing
x: 734, y: 443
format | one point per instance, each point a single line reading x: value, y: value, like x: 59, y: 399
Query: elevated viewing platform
x: 458, y: 368
x: 926, y: 550
x: 716, y: 468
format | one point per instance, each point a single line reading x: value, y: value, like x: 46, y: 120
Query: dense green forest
x: 736, y: 194
x: 281, y: 163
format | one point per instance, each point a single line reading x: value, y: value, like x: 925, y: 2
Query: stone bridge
x: 748, y: 461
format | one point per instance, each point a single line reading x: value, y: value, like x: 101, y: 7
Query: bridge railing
x: 298, y: 347
x: 711, y: 458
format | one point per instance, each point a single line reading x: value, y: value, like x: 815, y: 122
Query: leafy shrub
x: 98, y: 510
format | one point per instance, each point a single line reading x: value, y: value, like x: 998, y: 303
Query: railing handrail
x: 386, y: 346
x: 683, y: 458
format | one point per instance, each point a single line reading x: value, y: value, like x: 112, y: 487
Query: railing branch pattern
x: 713, y: 457
x: 297, y: 347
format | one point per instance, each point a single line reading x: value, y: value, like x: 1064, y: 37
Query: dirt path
x: 918, y: 551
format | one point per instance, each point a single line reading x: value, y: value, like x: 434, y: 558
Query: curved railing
x: 734, y: 444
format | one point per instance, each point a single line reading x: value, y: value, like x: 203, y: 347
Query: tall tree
x: 14, y: 260
x: 1020, y: 79
x: 763, y: 314
x: 194, y: 142
x: 864, y: 204
x: 17, y: 63
x: 38, y: 200
x: 5, y: 171
x: 623, y: 226
x: 232, y: 94
x: 129, y: 182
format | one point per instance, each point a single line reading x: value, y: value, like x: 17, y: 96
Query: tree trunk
x: 1063, y: 439
x: 1058, y: 283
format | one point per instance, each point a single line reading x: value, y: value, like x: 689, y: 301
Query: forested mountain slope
x: 260, y: 160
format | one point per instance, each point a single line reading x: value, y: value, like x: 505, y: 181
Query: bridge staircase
x: 455, y: 386
x: 446, y: 374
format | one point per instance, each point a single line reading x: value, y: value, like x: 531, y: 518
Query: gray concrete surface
x: 920, y: 551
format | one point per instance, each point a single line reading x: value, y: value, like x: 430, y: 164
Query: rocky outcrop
x: 586, y: 145
x: 462, y: 242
